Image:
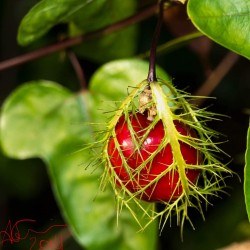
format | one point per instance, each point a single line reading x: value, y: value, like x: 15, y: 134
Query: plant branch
x: 216, y: 76
x: 78, y: 69
x: 152, y: 57
x: 61, y: 45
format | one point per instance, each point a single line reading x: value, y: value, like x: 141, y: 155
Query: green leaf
x: 91, y: 212
x: 86, y: 15
x: 48, y: 13
x: 103, y: 12
x: 28, y: 122
x: 247, y: 175
x: 224, y: 21
x: 108, y: 47
x: 46, y: 120
x: 119, y: 44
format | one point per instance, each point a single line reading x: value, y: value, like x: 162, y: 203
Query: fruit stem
x: 152, y: 57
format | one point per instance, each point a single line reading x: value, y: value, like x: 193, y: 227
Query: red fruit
x: 167, y: 187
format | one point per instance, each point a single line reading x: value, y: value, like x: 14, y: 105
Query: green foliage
x: 121, y: 42
x: 111, y: 46
x: 224, y: 21
x: 46, y: 14
x: 247, y: 175
x: 43, y: 119
x: 38, y: 103
x: 81, y: 17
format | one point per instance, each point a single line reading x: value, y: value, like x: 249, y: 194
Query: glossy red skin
x: 165, y: 189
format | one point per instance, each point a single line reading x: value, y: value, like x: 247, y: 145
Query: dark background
x: 24, y: 185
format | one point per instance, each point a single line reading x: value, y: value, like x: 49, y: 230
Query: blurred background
x: 24, y: 185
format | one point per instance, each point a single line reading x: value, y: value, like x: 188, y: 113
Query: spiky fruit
x: 133, y: 152
x: 158, y: 148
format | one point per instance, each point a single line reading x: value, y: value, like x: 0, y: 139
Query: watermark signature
x: 38, y: 240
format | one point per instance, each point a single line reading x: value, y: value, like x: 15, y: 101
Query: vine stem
x: 152, y: 57
x: 216, y: 76
x: 78, y: 70
x: 64, y: 44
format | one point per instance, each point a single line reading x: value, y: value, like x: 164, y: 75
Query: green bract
x: 169, y: 105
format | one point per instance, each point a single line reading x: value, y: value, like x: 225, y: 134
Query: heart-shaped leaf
x: 86, y: 15
x: 224, y: 21
x: 45, y: 120
x: 47, y: 13
x: 91, y: 212
x: 28, y: 123
x: 108, y: 47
